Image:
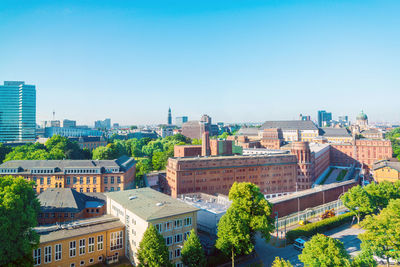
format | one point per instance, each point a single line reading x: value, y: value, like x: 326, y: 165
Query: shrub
x: 311, y: 229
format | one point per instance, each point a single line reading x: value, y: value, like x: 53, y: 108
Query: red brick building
x: 273, y: 174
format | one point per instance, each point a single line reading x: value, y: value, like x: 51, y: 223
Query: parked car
x: 299, y: 243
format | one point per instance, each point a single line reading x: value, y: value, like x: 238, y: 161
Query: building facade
x: 70, y: 132
x: 139, y: 208
x: 179, y: 121
x: 211, y: 175
x: 81, y: 175
x: 83, y: 243
x: 90, y: 142
x: 17, y: 112
x: 386, y: 170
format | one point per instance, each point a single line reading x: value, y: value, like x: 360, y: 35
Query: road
x: 267, y: 253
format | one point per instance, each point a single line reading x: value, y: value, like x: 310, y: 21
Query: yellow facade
x: 85, y: 252
x: 386, y: 174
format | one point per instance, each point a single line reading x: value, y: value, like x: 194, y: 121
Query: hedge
x: 311, y: 229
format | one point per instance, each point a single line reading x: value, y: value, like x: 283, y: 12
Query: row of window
x: 176, y: 239
x: 116, y: 242
x: 167, y: 226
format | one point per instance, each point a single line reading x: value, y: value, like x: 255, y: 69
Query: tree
x: 196, y: 141
x: 249, y: 213
x: 153, y: 251
x: 19, y: 209
x: 159, y: 160
x: 253, y: 208
x: 321, y: 250
x: 364, y: 259
x: 278, y: 262
x: 234, y: 235
x: 102, y: 152
x: 382, y: 233
x: 357, y: 201
x: 381, y: 193
x: 133, y: 127
x: 192, y: 251
x: 4, y: 150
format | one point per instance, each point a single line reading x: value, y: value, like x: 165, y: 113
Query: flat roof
x: 150, y: 204
x: 230, y: 157
x: 213, y: 204
x: 78, y: 228
x: 290, y: 125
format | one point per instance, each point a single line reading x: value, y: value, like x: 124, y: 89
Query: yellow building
x: 138, y: 208
x: 81, y: 243
x: 385, y: 170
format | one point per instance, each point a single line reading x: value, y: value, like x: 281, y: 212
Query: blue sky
x: 234, y: 60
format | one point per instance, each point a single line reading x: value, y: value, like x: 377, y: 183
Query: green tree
x: 357, y: 201
x: 224, y: 135
x: 4, y: 150
x: 19, y: 209
x: 196, y: 141
x: 133, y: 127
x: 159, y: 160
x: 364, y: 259
x: 253, y: 208
x: 324, y: 251
x: 102, y: 152
x: 192, y: 251
x: 234, y: 235
x: 381, y: 193
x: 153, y: 252
x: 382, y: 233
x: 278, y: 262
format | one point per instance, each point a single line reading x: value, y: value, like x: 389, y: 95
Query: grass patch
x: 341, y: 175
x: 326, y: 176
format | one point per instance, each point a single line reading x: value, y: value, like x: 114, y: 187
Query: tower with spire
x: 169, y: 116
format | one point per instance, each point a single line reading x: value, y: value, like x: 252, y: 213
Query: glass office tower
x: 17, y: 112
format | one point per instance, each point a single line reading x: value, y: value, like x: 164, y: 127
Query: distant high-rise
x: 17, y: 112
x: 169, y: 117
x: 324, y: 118
x: 180, y: 120
x: 106, y: 124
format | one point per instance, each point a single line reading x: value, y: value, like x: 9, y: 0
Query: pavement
x: 267, y: 253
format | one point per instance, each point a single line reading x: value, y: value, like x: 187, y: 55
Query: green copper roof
x: 362, y: 116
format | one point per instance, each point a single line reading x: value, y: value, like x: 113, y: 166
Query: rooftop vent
x: 132, y: 197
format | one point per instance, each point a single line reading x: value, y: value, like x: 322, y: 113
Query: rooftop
x: 248, y: 131
x: 229, y: 157
x: 78, y: 228
x: 334, y: 132
x: 387, y: 163
x: 290, y: 125
x: 150, y: 204
x: 214, y: 204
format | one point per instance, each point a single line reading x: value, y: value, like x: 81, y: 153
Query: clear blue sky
x: 234, y: 60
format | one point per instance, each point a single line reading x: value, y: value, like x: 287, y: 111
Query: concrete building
x: 169, y: 121
x: 179, y: 121
x: 58, y: 205
x: 336, y: 135
x: 187, y: 151
x: 70, y: 132
x: 81, y: 243
x: 106, y: 124
x: 81, y: 175
x: 211, y: 175
x: 17, y: 112
x: 195, y: 129
x: 386, y: 170
x: 68, y: 123
x: 372, y: 134
x: 139, y: 208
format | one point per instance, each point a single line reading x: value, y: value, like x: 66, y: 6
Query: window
x: 37, y: 256
x: 47, y: 254
x: 116, y: 240
x: 41, y: 180
x: 91, y: 244
x: 100, y: 258
x: 72, y: 265
x: 186, y: 235
x: 171, y: 255
x: 168, y: 240
x: 91, y: 260
x: 178, y: 224
x: 179, y: 264
x: 105, y: 180
x: 74, y: 180
x: 112, y: 179
x: 168, y: 226
x: 112, y: 189
x: 159, y: 227
x: 82, y: 263
x: 81, y: 246
x: 100, y: 242
x: 72, y: 249
x: 188, y: 221
x: 94, y: 189
x: 48, y: 180
x: 178, y: 238
x: 57, y: 252
x: 88, y: 180
x: 177, y: 252
x: 81, y: 180
x: 81, y: 190
x: 94, y: 180
x: 118, y: 179
x: 88, y: 190
x: 68, y: 180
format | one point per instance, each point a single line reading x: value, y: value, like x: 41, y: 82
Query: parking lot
x: 346, y: 234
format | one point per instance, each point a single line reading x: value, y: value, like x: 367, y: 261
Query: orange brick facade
x: 273, y: 174
x: 61, y: 217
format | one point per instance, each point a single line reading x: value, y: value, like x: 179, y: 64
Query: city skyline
x: 237, y: 62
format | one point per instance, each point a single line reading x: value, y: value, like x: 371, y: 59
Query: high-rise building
x: 169, y: 117
x: 106, y: 124
x: 180, y: 120
x: 68, y: 124
x: 324, y: 118
x: 17, y: 112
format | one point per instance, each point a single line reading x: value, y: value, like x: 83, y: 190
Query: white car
x: 299, y: 243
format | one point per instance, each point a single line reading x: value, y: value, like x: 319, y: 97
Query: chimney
x: 205, y: 144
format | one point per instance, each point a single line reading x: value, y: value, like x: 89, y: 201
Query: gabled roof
x: 334, y: 132
x: 66, y: 200
x: 248, y: 131
x: 150, y: 204
x: 386, y: 163
x: 289, y: 125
